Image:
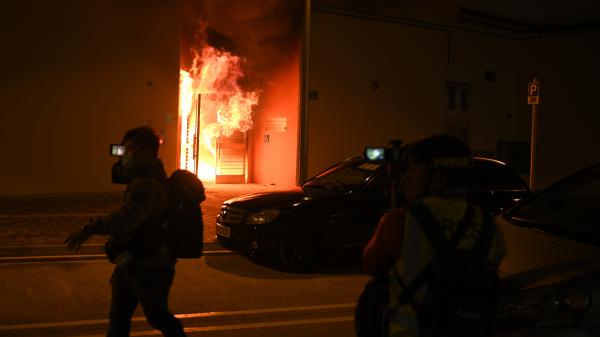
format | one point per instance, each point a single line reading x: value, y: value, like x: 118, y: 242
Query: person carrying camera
x: 144, y: 269
x: 435, y: 175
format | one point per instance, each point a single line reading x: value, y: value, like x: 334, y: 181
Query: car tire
x: 300, y: 251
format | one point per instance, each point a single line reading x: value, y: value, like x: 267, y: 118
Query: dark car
x: 336, y: 212
x: 552, y: 270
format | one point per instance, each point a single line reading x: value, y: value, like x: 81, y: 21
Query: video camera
x: 392, y: 156
x: 117, y: 150
x: 118, y: 175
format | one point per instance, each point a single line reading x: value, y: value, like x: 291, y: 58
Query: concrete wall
x: 375, y: 81
x: 568, y: 122
x: 569, y: 116
x: 498, y: 109
x: 380, y: 78
x: 77, y: 75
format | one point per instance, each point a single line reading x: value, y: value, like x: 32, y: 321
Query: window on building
x: 458, y: 98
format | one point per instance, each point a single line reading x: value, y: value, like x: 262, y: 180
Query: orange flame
x: 212, y: 85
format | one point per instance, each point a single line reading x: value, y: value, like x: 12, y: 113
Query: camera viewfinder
x: 117, y: 149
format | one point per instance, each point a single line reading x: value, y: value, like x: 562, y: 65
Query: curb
x: 90, y: 252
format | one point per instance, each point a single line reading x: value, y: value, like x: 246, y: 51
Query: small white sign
x: 276, y: 125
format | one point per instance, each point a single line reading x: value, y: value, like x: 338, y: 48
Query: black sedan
x: 337, y: 211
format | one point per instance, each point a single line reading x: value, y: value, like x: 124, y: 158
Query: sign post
x: 533, y: 99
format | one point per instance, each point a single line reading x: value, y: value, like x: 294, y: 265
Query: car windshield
x: 494, y: 177
x: 569, y: 208
x: 344, y: 177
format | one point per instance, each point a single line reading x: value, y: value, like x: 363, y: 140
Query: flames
x: 211, y: 104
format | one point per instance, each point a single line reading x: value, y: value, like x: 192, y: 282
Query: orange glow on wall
x: 276, y: 132
x: 212, y: 105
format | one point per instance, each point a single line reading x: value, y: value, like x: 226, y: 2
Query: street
x: 46, y: 290
x: 221, y: 294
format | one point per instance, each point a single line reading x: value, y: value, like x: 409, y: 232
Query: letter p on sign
x: 533, y: 93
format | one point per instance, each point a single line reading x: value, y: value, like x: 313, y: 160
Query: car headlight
x: 549, y: 306
x: 262, y: 217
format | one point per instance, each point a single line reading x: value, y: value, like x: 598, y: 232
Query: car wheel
x: 300, y: 251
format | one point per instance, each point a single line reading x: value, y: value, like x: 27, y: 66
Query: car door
x: 353, y: 222
x: 557, y: 226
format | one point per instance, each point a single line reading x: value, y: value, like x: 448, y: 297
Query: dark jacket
x: 135, y: 229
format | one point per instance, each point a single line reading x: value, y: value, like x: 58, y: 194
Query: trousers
x: 148, y: 286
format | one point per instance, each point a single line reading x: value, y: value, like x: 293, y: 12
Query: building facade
x: 341, y: 77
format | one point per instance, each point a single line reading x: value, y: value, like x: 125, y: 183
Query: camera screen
x: 375, y: 153
x: 117, y: 149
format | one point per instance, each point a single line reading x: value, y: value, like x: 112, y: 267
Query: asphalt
x: 33, y: 225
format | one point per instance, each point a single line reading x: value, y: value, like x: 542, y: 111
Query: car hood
x: 291, y: 201
x: 573, y: 272
x: 265, y: 200
x: 537, y: 257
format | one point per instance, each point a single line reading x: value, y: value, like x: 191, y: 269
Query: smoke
x: 265, y: 33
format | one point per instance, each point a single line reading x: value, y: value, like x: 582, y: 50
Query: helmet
x: 443, y: 154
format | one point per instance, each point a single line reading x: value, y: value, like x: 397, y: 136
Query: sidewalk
x: 46, y: 220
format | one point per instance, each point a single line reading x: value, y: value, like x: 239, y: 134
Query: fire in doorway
x: 215, y: 115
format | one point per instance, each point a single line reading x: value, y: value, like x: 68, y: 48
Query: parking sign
x: 533, y: 96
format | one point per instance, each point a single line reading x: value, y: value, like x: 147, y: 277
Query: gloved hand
x: 77, y: 238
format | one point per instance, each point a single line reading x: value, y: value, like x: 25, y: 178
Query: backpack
x: 183, y: 225
x: 462, y: 286
x: 370, y: 314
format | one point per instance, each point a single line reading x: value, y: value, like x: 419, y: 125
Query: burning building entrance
x: 239, y: 88
x: 215, y: 117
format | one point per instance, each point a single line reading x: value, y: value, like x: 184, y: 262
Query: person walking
x: 144, y: 268
x: 435, y: 176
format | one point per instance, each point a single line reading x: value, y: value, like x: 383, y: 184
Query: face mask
x: 118, y: 174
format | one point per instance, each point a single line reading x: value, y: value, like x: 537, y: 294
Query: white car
x: 552, y: 270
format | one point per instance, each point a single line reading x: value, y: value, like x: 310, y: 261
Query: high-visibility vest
x: 417, y: 252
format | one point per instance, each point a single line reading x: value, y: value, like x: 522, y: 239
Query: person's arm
x: 142, y: 201
x: 384, y: 248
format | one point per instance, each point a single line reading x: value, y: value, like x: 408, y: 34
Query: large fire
x: 211, y: 105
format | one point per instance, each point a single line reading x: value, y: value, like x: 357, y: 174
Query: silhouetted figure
x: 144, y: 269
x: 435, y: 175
